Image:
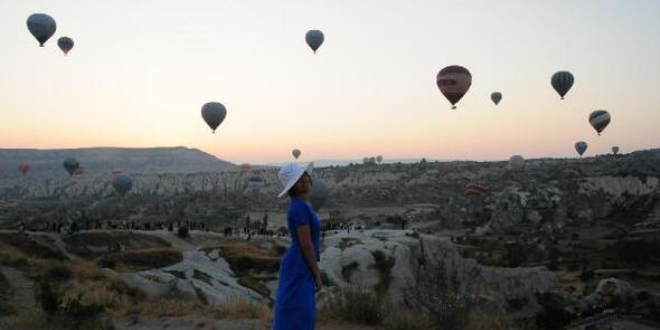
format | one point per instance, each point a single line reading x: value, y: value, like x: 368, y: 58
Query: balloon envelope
x: 516, y: 162
x: 379, y: 158
x: 24, y: 168
x: 496, y: 97
x: 71, y: 165
x: 615, y: 150
x: 319, y: 195
x: 213, y: 114
x: 122, y: 183
x: 599, y: 119
x: 562, y: 82
x: 314, y: 39
x: 454, y: 81
x: 581, y: 147
x: 295, y: 153
x: 42, y: 27
x: 65, y: 44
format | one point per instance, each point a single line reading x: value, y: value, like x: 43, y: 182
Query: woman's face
x: 304, y: 185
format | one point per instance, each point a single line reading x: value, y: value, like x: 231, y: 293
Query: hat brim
x: 293, y: 181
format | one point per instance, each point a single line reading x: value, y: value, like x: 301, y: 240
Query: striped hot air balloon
x: 475, y: 189
x: 581, y: 147
x: 454, y: 81
x: 599, y: 119
x: 562, y: 82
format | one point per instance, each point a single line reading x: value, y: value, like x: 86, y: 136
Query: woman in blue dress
x: 300, y: 277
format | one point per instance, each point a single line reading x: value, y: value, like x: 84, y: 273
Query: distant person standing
x: 300, y: 276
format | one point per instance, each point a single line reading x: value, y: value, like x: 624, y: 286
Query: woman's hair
x: 292, y: 193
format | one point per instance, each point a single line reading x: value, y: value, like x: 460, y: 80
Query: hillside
x: 48, y: 164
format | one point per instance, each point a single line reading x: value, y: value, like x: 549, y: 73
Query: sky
x: 140, y: 71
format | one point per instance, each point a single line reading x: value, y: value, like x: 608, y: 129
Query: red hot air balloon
x: 454, y: 81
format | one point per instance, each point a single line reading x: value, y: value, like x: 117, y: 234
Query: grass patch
x: 30, y: 247
x: 352, y: 304
x: 91, y: 245
x: 347, y: 242
x: 138, y: 260
x: 12, y: 256
x: 240, y: 307
x: 407, y: 320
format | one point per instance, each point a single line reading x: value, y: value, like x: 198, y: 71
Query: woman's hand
x: 319, y: 283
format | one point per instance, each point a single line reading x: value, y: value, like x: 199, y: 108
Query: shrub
x: 360, y: 305
x: 59, y: 272
x: 183, y: 232
x: 407, y: 320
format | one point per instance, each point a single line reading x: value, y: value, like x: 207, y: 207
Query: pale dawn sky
x: 140, y: 72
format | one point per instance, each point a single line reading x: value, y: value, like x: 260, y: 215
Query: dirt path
x: 22, y: 288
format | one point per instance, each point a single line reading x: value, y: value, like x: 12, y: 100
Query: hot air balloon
x: 372, y: 160
x: 24, y: 168
x: 319, y: 195
x: 214, y: 113
x: 615, y: 150
x: 245, y: 168
x: 454, y: 81
x: 71, y: 165
x: 379, y: 159
x: 65, y: 44
x: 581, y: 147
x: 295, y: 153
x: 79, y: 172
x: 516, y: 162
x: 314, y: 39
x: 599, y: 119
x: 496, y: 97
x: 562, y: 82
x: 476, y: 189
x: 365, y: 160
x: 42, y: 27
x: 122, y: 183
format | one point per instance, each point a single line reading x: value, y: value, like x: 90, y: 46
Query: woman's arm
x: 307, y: 247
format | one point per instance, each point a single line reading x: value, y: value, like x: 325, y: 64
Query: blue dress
x: 295, y: 303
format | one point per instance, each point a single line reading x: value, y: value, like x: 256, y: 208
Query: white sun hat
x: 290, y: 174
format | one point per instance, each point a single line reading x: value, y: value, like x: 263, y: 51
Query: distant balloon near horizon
x: 615, y: 150
x: 65, y: 44
x: 454, y: 81
x: 24, y: 168
x: 496, y: 97
x: 314, y: 39
x: 122, y: 184
x: 562, y: 81
x: 319, y: 195
x: 379, y: 159
x: 214, y: 114
x: 71, y: 165
x: 42, y: 27
x: 599, y: 119
x: 296, y: 153
x: 581, y: 147
x: 245, y: 168
x: 517, y: 162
